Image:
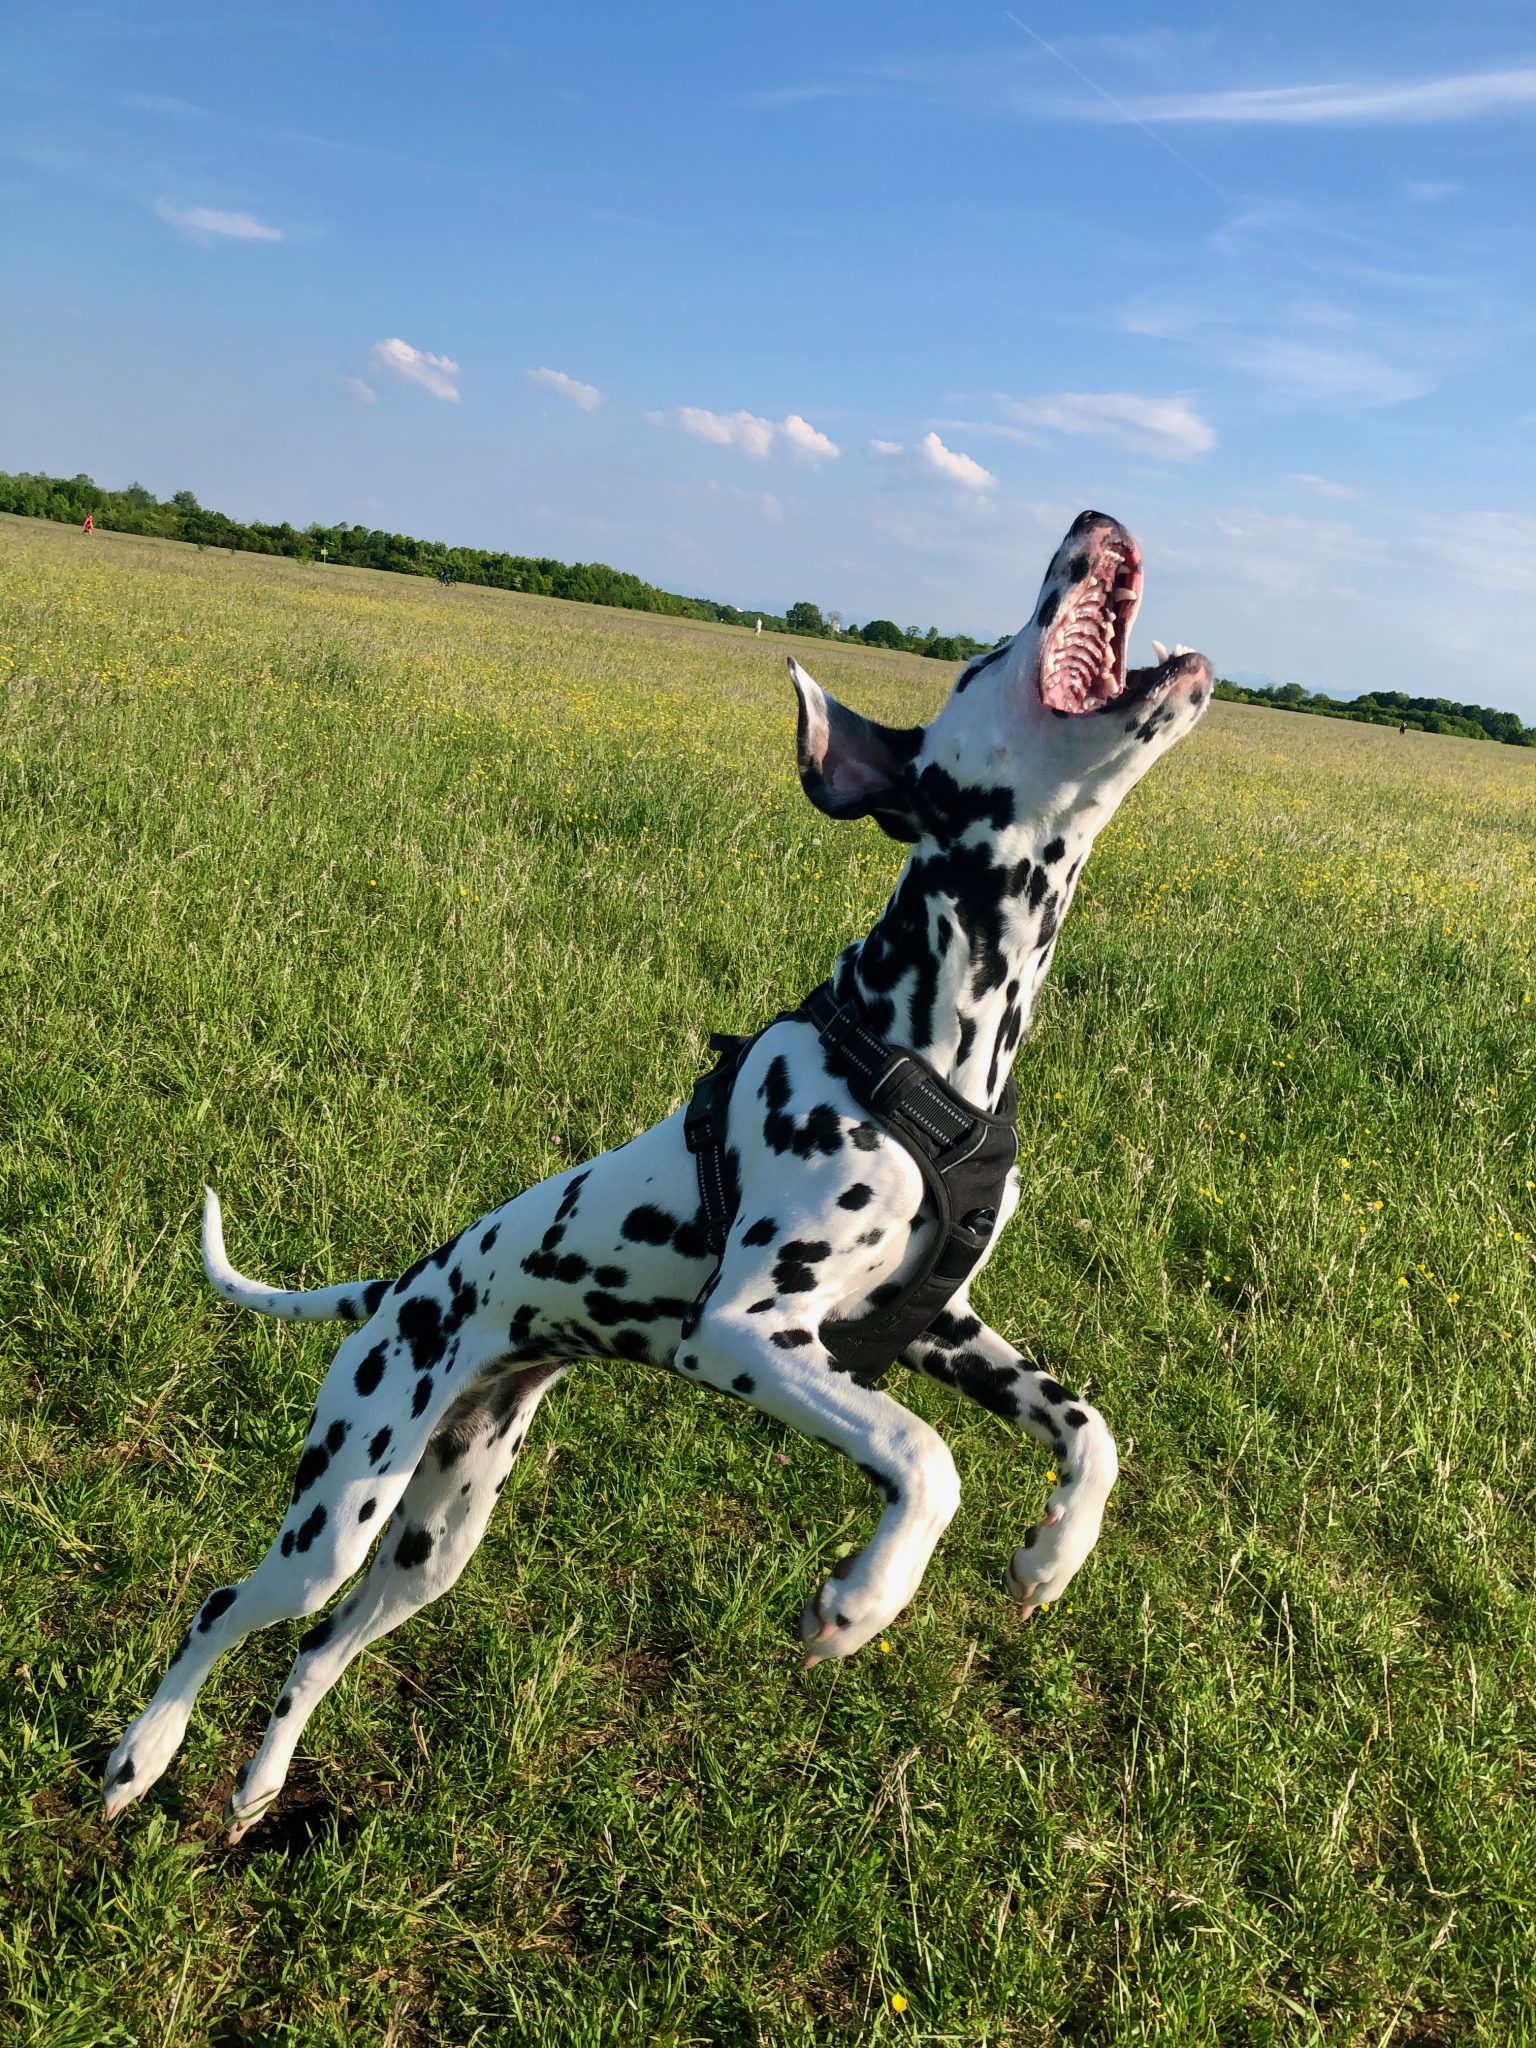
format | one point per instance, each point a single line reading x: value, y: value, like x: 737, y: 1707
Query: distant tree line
x: 1391, y: 707
x: 181, y: 517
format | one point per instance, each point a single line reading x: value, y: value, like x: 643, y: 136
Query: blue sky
x: 859, y: 303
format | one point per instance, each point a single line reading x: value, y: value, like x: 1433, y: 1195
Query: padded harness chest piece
x: 964, y: 1154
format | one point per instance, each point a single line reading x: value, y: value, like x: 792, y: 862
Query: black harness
x: 964, y: 1155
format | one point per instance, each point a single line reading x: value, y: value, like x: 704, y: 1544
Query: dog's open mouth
x: 1082, y: 656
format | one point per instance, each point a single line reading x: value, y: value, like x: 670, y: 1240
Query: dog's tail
x: 351, y: 1302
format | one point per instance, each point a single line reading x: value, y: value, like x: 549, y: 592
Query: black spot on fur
x: 216, y: 1604
x: 283, y: 1708
x: 366, y: 1512
x: 858, y: 1196
x: 610, y: 1276
x: 336, y: 1435
x: 864, y: 1138
x: 567, y: 1266
x: 1074, y: 1418
x: 286, y: 1546
x: 422, y: 1395
x: 649, y: 1225
x: 689, y: 1241
x: 571, y: 1196
x: 1053, y: 1390
x: 310, y: 1528
x: 761, y: 1308
x: 346, y: 1308
x: 819, y: 1130
x: 1053, y: 852
x: 379, y: 1445
x: 490, y: 1237
x: 374, y: 1293
x: 630, y: 1344
x: 317, y: 1637
x: 763, y: 1231
x: 791, y: 1340
x: 421, y: 1327
x: 951, y: 1330
x: 370, y: 1371
x: 688, y: 1362
x: 743, y: 1383
x: 311, y: 1466
x: 414, y: 1548
x: 793, y: 1269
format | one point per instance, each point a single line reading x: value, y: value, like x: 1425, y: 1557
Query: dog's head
x: 1049, y: 726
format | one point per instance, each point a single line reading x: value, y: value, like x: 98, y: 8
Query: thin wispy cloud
x: 1304, y: 370
x: 749, y: 433
x: 587, y: 396
x: 361, y: 390
x: 435, y: 374
x: 1150, y: 426
x: 209, y: 224
x: 1319, y: 486
x: 1464, y: 96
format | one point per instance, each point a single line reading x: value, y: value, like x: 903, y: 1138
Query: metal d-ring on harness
x: 964, y: 1155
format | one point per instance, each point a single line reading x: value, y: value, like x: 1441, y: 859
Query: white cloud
x: 1461, y: 97
x: 804, y: 439
x: 206, y: 224
x: 1427, y: 189
x: 432, y: 373
x: 885, y: 447
x: 587, y: 396
x: 958, y: 468
x: 361, y: 390
x: 749, y: 432
x: 1152, y: 426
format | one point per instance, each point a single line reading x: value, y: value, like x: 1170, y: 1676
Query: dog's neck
x: 954, y: 964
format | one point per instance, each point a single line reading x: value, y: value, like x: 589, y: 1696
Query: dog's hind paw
x: 141, y: 1757
x: 1049, y: 1558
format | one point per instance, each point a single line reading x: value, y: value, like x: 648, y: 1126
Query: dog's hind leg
x: 355, y: 1466
x: 435, y: 1531
x: 958, y: 1350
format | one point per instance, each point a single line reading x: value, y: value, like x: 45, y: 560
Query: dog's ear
x: 850, y: 767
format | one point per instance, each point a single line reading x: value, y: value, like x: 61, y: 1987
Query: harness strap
x: 942, y: 1132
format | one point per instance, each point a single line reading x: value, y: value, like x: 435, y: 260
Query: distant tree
x: 805, y: 617
x: 834, y: 622
x: 882, y: 633
x: 186, y: 501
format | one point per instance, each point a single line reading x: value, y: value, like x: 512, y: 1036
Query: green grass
x: 370, y: 902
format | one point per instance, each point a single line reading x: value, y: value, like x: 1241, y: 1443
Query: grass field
x: 370, y: 902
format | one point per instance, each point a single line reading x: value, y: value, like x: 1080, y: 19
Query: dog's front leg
x: 960, y: 1351
x: 764, y: 1354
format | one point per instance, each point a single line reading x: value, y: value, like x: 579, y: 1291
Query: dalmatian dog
x: 430, y: 1399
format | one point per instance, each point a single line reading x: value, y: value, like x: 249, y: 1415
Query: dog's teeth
x: 1179, y: 647
x: 1160, y: 650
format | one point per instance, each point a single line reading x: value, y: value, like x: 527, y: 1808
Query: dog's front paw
x: 1050, y: 1556
x: 850, y: 1608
